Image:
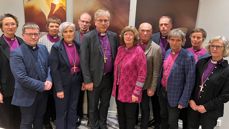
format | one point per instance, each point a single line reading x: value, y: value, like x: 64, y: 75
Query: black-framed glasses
x: 33, y: 34
x: 216, y: 46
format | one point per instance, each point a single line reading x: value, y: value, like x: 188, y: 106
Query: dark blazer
x: 91, y: 56
x: 156, y: 39
x: 216, y: 88
x: 6, y: 76
x: 60, y: 66
x: 77, y: 37
x: 181, y: 79
x: 29, y: 79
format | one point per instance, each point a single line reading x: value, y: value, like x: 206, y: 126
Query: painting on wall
x: 183, y: 12
x: 38, y: 11
x: 119, y: 12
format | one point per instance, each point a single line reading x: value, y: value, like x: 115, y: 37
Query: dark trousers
x: 50, y: 113
x: 145, y: 110
x: 32, y: 117
x: 156, y: 109
x: 99, y: 101
x: 66, y: 108
x: 126, y: 114
x: 9, y: 115
x: 195, y: 119
x: 169, y: 115
x: 184, y: 117
x: 80, y: 105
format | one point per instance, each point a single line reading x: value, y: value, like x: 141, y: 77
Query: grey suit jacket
x: 91, y: 56
x: 154, y: 60
x: 29, y: 80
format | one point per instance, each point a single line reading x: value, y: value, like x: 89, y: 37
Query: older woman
x: 10, y: 115
x: 197, y: 36
x: 212, y: 86
x: 129, y: 77
x: 66, y: 73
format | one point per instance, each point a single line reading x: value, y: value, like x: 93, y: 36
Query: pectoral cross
x: 74, y: 68
x: 105, y: 59
x: 201, y: 88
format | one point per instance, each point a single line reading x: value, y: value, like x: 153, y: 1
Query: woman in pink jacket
x: 129, y: 77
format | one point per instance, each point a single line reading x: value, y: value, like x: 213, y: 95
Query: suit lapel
x: 5, y: 47
x: 98, y: 43
x: 148, y: 48
x: 112, y: 44
x: 64, y: 53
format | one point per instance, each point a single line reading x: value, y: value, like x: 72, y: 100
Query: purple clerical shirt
x: 53, y: 39
x: 12, y: 42
x: 73, y: 55
x: 163, y: 45
x: 106, y: 49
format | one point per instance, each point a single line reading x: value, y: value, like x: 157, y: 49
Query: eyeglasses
x: 32, y: 34
x: 215, y: 46
x: 102, y: 20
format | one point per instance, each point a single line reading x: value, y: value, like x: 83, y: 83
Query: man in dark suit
x: 29, y: 65
x: 10, y: 114
x: 165, y: 25
x: 84, y: 23
x: 98, y: 51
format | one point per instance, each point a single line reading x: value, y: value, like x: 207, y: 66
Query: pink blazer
x: 129, y: 73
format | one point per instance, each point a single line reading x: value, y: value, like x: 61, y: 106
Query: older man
x: 154, y: 59
x: 29, y: 65
x: 177, y: 81
x: 98, y: 51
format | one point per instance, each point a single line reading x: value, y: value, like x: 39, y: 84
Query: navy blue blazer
x: 29, y: 80
x: 156, y: 38
x: 91, y: 55
x: 181, y: 79
x: 60, y: 66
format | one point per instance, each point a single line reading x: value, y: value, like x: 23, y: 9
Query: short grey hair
x: 177, y: 33
x: 102, y: 12
x: 30, y: 25
x: 225, y: 44
x: 65, y: 25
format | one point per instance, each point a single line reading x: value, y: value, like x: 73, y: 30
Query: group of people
x: 45, y: 78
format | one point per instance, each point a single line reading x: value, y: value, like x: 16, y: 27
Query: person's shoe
x: 48, y: 126
x: 151, y: 123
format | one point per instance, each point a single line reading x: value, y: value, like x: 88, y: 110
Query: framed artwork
x: 38, y: 11
x: 119, y: 10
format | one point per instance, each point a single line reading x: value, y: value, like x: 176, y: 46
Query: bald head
x: 145, y: 32
x: 84, y: 22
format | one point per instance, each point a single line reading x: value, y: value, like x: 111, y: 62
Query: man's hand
x: 180, y: 106
x: 150, y: 92
x: 47, y: 85
x: 89, y: 86
x: 1, y: 98
x: 60, y: 94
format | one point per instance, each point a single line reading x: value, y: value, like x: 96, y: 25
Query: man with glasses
x: 84, y: 23
x: 29, y: 65
x: 98, y: 51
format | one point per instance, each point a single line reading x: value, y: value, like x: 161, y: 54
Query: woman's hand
x: 134, y: 98
x: 193, y: 105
